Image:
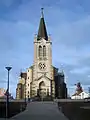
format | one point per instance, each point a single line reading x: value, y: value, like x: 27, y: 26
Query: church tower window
x: 44, y: 51
x: 40, y: 51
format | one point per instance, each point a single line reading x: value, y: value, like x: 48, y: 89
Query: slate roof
x: 23, y: 75
x: 42, y: 32
x: 77, y: 93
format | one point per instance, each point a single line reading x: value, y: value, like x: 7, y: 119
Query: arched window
x: 40, y: 51
x: 44, y: 51
x: 41, y: 84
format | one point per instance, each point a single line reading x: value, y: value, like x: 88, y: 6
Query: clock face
x: 42, y: 66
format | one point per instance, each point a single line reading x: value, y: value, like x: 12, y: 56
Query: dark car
x: 87, y: 98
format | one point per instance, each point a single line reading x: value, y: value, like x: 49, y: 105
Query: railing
x: 71, y: 100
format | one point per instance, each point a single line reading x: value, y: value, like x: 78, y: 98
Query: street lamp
x: 25, y: 92
x: 7, y: 94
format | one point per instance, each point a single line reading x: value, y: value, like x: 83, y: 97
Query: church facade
x: 39, y: 79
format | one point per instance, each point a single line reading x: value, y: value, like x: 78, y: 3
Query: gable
x: 42, y: 41
x: 43, y: 76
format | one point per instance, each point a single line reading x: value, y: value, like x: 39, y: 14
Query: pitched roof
x: 43, y: 76
x: 2, y: 91
x: 77, y: 93
x: 23, y: 75
x: 42, y: 32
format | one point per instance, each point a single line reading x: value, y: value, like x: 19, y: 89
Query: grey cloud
x: 85, y: 61
x: 81, y: 70
x: 13, y: 33
x: 74, y: 34
x: 3, y: 81
x: 82, y: 67
x: 86, y: 82
x: 74, y: 78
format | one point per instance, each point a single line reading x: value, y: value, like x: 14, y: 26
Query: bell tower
x: 42, y: 66
x: 42, y: 50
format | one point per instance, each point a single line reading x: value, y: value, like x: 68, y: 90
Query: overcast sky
x: 68, y: 23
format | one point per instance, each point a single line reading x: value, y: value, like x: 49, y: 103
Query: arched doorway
x: 42, y: 89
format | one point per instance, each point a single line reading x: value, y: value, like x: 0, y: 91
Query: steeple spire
x: 42, y: 32
x: 42, y: 15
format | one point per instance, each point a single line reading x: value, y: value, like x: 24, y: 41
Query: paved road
x: 40, y: 111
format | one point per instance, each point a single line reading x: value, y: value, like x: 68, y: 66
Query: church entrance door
x: 42, y: 90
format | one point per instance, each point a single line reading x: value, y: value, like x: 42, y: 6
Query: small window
x: 28, y: 92
x: 40, y: 51
x: 28, y: 96
x: 28, y: 77
x: 28, y: 84
x: 44, y: 51
x: 28, y: 70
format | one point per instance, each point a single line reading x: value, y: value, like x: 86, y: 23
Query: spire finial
x: 42, y: 15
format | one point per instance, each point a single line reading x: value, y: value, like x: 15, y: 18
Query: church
x: 40, y: 79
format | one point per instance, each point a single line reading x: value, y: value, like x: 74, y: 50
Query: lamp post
x: 25, y: 92
x: 7, y: 93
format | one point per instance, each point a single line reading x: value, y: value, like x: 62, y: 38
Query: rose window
x: 42, y: 66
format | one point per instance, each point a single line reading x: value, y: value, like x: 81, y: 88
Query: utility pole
x: 7, y: 93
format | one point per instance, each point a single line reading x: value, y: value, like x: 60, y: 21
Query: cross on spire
x: 42, y: 15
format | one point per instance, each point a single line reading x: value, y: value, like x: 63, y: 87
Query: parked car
x: 87, y: 98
